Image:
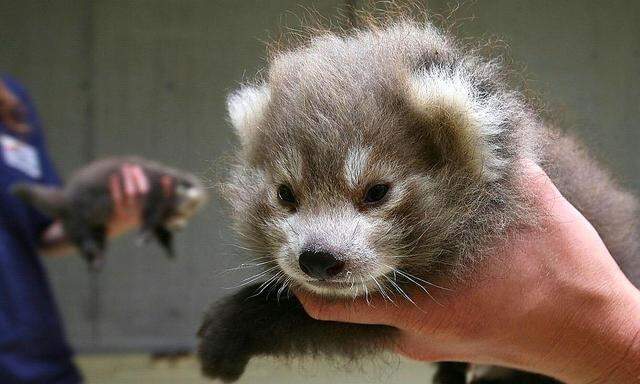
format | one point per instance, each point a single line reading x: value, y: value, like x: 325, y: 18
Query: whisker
x: 266, y: 284
x: 252, y: 279
x: 274, y: 286
x: 366, y: 292
x: 403, y: 293
x: 282, y: 288
x: 248, y: 265
x: 421, y: 287
x: 408, y: 276
x: 244, y: 248
x: 266, y: 271
x: 383, y: 292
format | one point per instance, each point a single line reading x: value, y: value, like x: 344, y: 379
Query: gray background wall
x: 150, y: 77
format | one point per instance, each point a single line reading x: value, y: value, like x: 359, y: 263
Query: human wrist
x: 607, y: 349
x: 623, y: 352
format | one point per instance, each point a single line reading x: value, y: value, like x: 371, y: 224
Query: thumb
x: 375, y: 310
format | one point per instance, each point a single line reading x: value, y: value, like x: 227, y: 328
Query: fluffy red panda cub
x: 377, y: 160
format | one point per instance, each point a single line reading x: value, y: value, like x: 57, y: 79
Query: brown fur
x: 440, y: 125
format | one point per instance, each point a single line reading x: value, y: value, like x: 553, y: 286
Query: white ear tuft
x: 246, y: 107
x: 443, y: 93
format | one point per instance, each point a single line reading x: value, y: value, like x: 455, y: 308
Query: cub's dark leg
x: 451, y: 373
x: 165, y: 238
x: 249, y: 323
x: 94, y: 249
x: 90, y: 240
x: 154, y: 213
x: 518, y: 377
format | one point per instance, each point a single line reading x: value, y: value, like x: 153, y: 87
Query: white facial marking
x: 355, y: 164
x: 246, y: 107
x: 343, y: 233
x: 195, y: 194
x: 177, y: 223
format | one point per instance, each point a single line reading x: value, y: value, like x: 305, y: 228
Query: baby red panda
x: 379, y: 159
x: 85, y: 206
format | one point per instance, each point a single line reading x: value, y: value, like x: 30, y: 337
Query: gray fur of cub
x: 85, y: 205
x: 398, y: 102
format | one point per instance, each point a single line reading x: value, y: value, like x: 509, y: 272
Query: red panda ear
x: 463, y: 123
x: 246, y: 108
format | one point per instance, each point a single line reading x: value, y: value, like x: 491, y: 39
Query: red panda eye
x: 376, y: 193
x: 285, y: 194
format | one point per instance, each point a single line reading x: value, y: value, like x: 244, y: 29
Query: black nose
x: 321, y: 265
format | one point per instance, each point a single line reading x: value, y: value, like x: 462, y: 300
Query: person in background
x: 33, y: 348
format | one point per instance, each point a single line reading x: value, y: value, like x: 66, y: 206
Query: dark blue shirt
x: 33, y: 348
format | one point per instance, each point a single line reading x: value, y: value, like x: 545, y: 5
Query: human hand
x: 12, y: 112
x: 549, y: 299
x: 128, y: 189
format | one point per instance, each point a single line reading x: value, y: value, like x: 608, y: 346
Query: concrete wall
x: 150, y: 77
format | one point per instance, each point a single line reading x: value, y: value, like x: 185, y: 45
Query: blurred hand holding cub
x: 114, y: 195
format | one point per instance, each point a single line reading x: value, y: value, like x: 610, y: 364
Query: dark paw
x: 451, y: 373
x: 223, y: 352
x: 220, y: 365
x: 518, y: 378
x: 222, y: 358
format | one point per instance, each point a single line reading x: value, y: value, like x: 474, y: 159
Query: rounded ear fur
x: 246, y: 108
x: 462, y: 122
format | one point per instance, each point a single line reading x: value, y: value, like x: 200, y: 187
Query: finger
x: 167, y: 185
x: 116, y: 193
x: 360, y: 311
x: 129, y: 185
x: 141, y: 181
